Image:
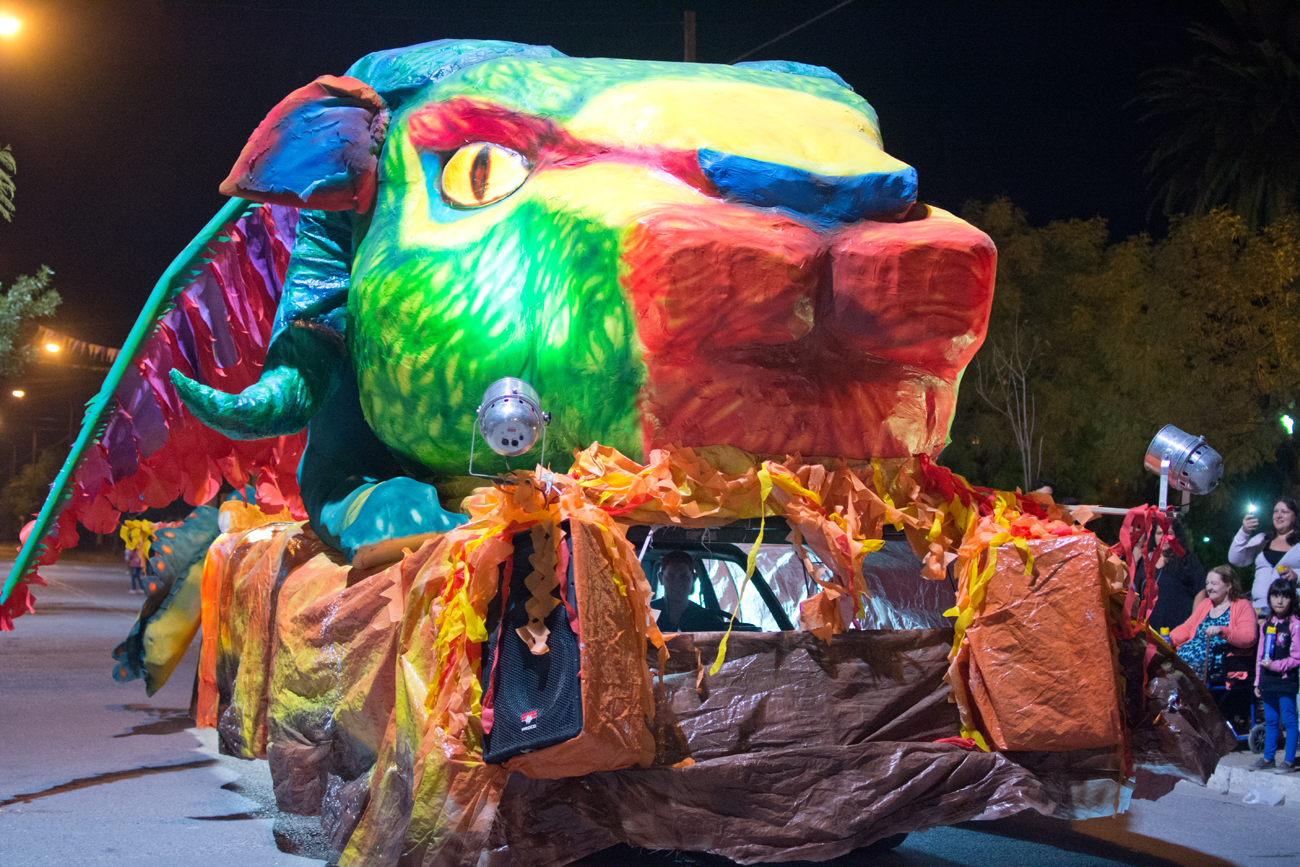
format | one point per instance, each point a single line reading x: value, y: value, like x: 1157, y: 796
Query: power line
x: 817, y: 17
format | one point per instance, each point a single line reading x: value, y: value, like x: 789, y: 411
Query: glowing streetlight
x: 1288, y: 423
x: 18, y: 392
x: 52, y: 347
x: 1205, y: 539
x: 9, y: 25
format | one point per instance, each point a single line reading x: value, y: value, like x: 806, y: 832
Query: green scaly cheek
x: 536, y: 295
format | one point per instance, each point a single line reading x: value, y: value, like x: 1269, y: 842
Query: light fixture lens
x: 52, y: 347
x: 18, y: 392
x: 510, y: 419
x: 1205, y: 538
x: 9, y: 25
x: 1289, y: 424
x: 1193, y: 465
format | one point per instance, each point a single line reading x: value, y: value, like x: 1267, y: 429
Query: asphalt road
x: 92, y: 772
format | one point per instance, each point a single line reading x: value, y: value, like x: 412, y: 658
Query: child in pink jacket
x: 1277, y: 674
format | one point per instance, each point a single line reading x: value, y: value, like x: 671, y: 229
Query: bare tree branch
x: 1005, y: 388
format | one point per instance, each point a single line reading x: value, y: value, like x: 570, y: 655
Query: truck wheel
x: 885, y: 844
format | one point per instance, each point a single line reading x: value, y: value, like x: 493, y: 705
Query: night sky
x: 124, y: 116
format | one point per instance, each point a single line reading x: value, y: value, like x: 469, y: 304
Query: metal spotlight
x: 1184, y: 461
x: 510, y: 420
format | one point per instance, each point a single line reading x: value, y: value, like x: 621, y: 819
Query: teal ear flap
x: 317, y: 149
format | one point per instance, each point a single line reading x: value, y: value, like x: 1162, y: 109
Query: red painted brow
x: 458, y: 122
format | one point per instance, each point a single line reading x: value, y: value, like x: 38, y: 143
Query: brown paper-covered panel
x: 213, y: 623
x: 332, y: 686
x: 336, y: 659
x: 1042, y: 674
x: 244, y: 653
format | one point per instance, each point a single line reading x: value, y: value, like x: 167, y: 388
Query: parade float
x: 488, y: 329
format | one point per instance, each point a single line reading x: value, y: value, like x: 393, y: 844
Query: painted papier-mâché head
x: 670, y: 253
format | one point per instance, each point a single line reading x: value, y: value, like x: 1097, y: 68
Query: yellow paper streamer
x: 764, y: 490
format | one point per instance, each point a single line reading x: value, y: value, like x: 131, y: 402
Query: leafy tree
x: 26, y: 492
x: 1231, y: 117
x: 1199, y: 329
x: 29, y: 298
x: 8, y: 168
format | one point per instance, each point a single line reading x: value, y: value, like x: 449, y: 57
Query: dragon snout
x: 703, y: 279
x: 915, y: 292
x: 760, y: 332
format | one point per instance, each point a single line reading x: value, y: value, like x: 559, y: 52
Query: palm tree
x: 8, y: 168
x: 1232, y: 117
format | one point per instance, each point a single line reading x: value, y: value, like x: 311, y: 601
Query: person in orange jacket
x: 1222, y: 629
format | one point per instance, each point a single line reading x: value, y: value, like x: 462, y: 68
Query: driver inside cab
x: 677, y: 612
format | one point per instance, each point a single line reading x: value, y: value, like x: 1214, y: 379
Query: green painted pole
x: 164, y: 291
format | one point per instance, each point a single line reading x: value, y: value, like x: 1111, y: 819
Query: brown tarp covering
x: 1178, y: 731
x: 795, y: 749
x: 779, y: 690
x: 796, y: 803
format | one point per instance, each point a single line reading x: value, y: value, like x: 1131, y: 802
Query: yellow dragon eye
x: 479, y: 174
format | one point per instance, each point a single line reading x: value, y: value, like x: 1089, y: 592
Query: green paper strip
x: 164, y: 292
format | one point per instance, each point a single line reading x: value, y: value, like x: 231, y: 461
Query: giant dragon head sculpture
x: 671, y: 253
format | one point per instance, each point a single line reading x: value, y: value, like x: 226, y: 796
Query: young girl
x: 1277, y: 673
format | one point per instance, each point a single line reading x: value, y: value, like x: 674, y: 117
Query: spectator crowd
x: 1246, y: 649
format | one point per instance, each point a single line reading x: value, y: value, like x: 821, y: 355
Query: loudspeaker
x: 531, y: 701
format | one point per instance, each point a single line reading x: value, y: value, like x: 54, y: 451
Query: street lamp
x: 9, y: 25
x: 18, y: 392
x: 1289, y: 424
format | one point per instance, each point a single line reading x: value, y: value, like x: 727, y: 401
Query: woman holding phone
x: 1273, y: 552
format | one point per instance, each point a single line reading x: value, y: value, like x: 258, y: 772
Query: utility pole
x: 688, y: 34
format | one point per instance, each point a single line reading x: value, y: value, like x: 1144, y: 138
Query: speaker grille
x: 536, y: 699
